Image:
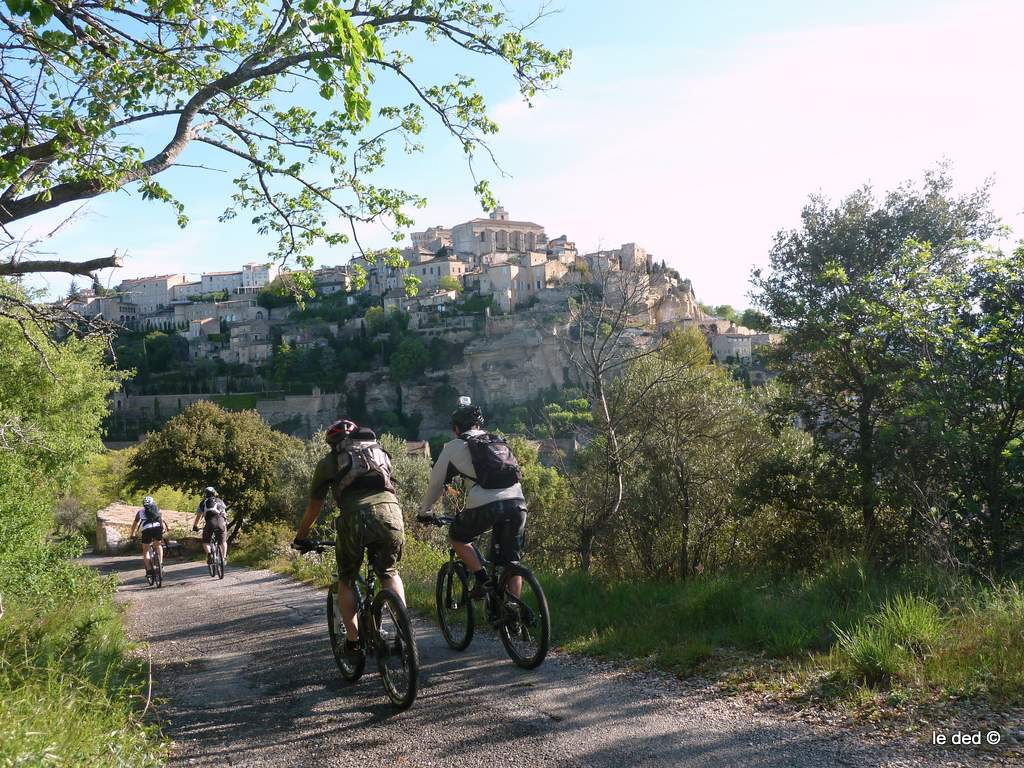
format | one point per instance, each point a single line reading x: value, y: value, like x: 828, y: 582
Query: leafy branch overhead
x: 97, y: 95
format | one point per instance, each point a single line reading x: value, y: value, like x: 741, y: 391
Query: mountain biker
x: 214, y: 513
x: 499, y: 507
x: 151, y: 526
x: 358, y: 472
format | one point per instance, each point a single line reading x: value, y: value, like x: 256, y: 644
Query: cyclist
x: 358, y: 472
x: 494, y: 495
x: 214, y: 513
x: 151, y: 526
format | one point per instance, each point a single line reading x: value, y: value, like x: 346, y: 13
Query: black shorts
x: 507, y: 521
x: 215, y: 523
x: 152, y: 534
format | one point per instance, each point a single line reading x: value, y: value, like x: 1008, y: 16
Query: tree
x: 235, y: 451
x: 51, y: 410
x: 87, y: 82
x: 973, y: 390
x: 601, y: 346
x: 450, y: 283
x: 409, y: 360
x: 757, y: 321
x: 835, y: 290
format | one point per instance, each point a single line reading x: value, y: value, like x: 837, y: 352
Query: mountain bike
x: 385, y: 633
x: 522, y: 621
x: 215, y: 562
x: 155, y: 574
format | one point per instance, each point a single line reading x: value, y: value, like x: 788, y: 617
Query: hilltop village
x: 485, y: 319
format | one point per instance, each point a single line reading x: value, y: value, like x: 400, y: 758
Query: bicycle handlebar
x: 318, y: 546
x: 440, y: 522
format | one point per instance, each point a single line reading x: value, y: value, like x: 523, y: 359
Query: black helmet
x: 339, y: 430
x: 209, y: 491
x: 467, y: 415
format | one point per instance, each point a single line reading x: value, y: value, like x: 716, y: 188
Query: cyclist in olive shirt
x: 358, y: 472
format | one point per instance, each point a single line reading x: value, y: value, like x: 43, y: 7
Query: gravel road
x: 244, y: 676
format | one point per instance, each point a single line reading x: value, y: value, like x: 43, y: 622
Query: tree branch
x: 70, y: 267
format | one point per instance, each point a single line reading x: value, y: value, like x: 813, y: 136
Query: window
x: 538, y: 285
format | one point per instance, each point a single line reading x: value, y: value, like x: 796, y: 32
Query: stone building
x: 511, y: 285
x: 497, y: 233
x: 256, y: 276
x: 432, y: 239
x: 431, y: 272
x: 151, y: 294
x: 214, y: 282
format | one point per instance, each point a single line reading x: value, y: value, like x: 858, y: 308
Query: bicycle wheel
x: 209, y: 564
x: 158, y: 573
x: 351, y: 668
x: 455, y: 611
x: 397, y: 659
x: 524, y: 622
x: 218, y: 562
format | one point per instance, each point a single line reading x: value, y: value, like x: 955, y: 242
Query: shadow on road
x: 245, y: 676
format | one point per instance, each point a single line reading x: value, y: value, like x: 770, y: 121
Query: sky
x: 695, y: 129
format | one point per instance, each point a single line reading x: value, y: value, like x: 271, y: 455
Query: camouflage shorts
x: 376, y: 528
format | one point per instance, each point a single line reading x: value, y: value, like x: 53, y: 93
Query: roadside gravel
x: 244, y: 676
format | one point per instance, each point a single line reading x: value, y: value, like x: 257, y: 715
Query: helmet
x: 339, y: 430
x: 467, y: 415
x: 209, y: 491
x: 148, y: 502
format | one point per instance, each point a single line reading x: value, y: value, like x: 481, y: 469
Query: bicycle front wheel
x: 454, y: 607
x: 524, y: 622
x: 397, y: 659
x: 351, y: 667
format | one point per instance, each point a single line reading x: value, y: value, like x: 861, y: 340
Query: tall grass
x: 70, y: 692
x: 918, y: 630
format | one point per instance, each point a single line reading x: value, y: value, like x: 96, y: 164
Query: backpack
x: 213, y: 507
x: 493, y: 462
x: 151, y: 515
x: 369, y: 466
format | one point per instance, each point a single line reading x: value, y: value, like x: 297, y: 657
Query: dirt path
x: 244, y: 676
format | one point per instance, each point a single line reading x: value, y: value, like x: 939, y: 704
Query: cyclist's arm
x: 135, y: 524
x: 438, y: 478
x: 195, y: 521
x: 312, y: 512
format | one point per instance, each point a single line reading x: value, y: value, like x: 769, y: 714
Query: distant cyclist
x: 214, y: 512
x: 494, y: 496
x: 150, y: 523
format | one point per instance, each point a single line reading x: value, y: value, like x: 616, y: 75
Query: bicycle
x: 385, y: 633
x: 155, y: 574
x: 215, y: 562
x: 215, y: 558
x: 522, y: 622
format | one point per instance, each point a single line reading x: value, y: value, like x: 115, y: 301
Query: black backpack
x: 151, y: 514
x: 493, y: 462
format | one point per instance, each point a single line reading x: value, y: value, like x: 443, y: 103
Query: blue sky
x: 696, y: 129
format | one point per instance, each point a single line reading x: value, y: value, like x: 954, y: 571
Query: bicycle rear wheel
x: 524, y: 622
x: 219, y: 563
x: 210, y: 565
x: 455, y: 611
x: 397, y: 659
x: 351, y: 668
x: 158, y: 573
